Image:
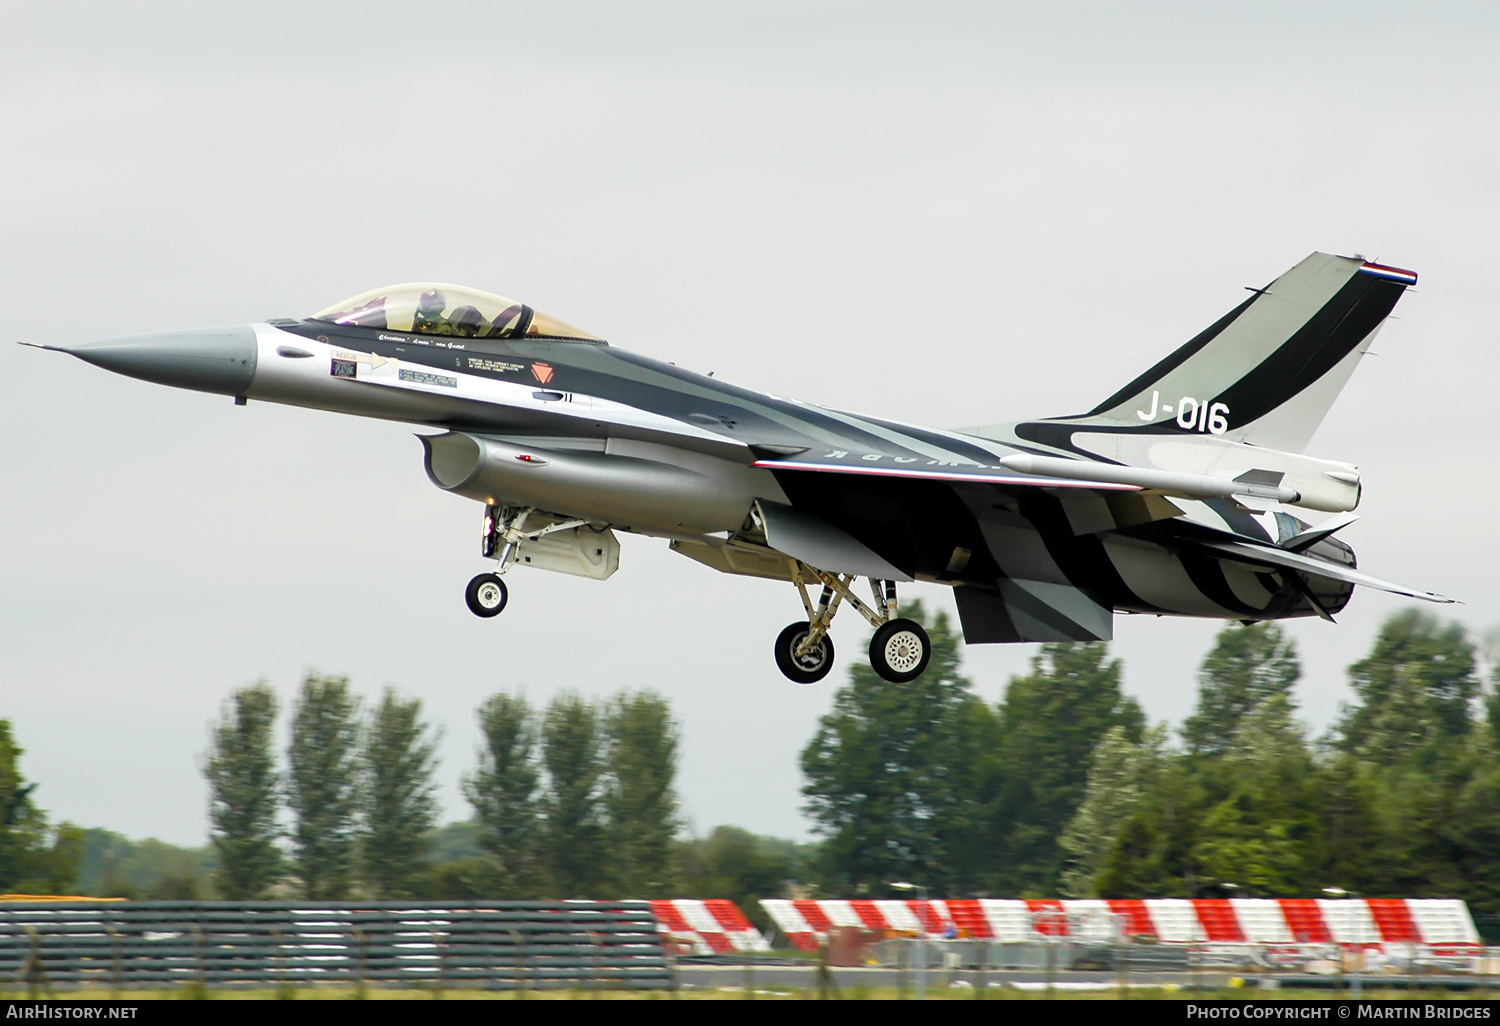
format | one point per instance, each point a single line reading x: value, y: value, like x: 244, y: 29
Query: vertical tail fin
x: 1268, y: 371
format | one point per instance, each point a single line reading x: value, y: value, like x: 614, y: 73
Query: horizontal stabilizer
x: 1310, y: 537
x: 1281, y: 559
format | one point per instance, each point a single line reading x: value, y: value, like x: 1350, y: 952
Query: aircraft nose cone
x: 218, y: 360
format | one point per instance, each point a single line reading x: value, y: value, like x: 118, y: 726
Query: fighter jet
x: 1182, y: 494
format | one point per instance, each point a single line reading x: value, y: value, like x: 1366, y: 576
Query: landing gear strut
x: 899, y: 652
x: 504, y: 534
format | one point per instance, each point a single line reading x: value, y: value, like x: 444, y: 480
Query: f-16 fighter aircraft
x: 1173, y: 496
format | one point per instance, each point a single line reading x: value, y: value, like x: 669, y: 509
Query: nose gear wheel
x: 486, y: 595
x: 900, y: 651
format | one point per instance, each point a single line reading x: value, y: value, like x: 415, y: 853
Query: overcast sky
x: 942, y: 213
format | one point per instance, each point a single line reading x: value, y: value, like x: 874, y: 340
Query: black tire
x: 486, y: 595
x: 812, y: 667
x: 900, y: 651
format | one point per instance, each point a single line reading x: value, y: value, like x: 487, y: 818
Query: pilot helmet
x: 431, y: 303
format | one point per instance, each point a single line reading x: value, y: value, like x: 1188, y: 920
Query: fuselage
x: 1175, y: 495
x: 582, y: 429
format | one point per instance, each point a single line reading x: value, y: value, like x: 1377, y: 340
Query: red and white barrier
x: 714, y: 927
x: 1433, y: 922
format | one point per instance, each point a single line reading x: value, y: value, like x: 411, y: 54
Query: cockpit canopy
x: 431, y: 308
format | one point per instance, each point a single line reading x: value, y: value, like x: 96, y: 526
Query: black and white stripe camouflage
x: 1031, y: 557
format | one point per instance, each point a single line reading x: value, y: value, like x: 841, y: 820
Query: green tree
x: 33, y: 858
x: 399, y: 796
x: 322, y: 787
x: 1492, y: 705
x: 1152, y: 852
x: 1472, y: 836
x: 1404, y: 725
x: 1122, y: 777
x: 244, y: 788
x: 1050, y: 722
x: 1246, y: 666
x: 742, y: 867
x: 1415, y: 689
x: 503, y: 792
x: 573, y: 754
x: 1403, y: 800
x: 1263, y: 834
x: 461, y: 880
x: 895, y: 773
x: 117, y: 867
x: 639, y: 795
x: 22, y: 825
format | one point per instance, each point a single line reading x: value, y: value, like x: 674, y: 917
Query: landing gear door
x: 583, y: 552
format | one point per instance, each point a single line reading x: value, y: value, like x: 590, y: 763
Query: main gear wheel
x: 900, y: 651
x: 808, y: 668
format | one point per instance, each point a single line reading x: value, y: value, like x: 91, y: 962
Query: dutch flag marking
x: 1390, y: 273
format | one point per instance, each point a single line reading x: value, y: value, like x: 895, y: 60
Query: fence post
x: 749, y: 974
x: 1051, y: 966
x: 200, y: 946
x: 520, y: 943
x: 114, y: 938
x: 595, y: 982
x: 283, y: 989
x: 361, y: 962
x: 826, y: 987
x: 32, y: 971
x: 441, y: 939
x: 922, y: 963
x: 671, y: 949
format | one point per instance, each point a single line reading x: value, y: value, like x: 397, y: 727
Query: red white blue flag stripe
x: 1390, y: 273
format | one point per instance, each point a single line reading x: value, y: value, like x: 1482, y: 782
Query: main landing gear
x: 504, y: 533
x: 899, y: 652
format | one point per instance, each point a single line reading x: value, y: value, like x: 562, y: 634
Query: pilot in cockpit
x: 429, y: 316
x: 467, y: 321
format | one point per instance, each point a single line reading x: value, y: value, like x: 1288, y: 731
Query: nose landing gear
x: 504, y: 534
x: 899, y: 652
x: 486, y: 595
